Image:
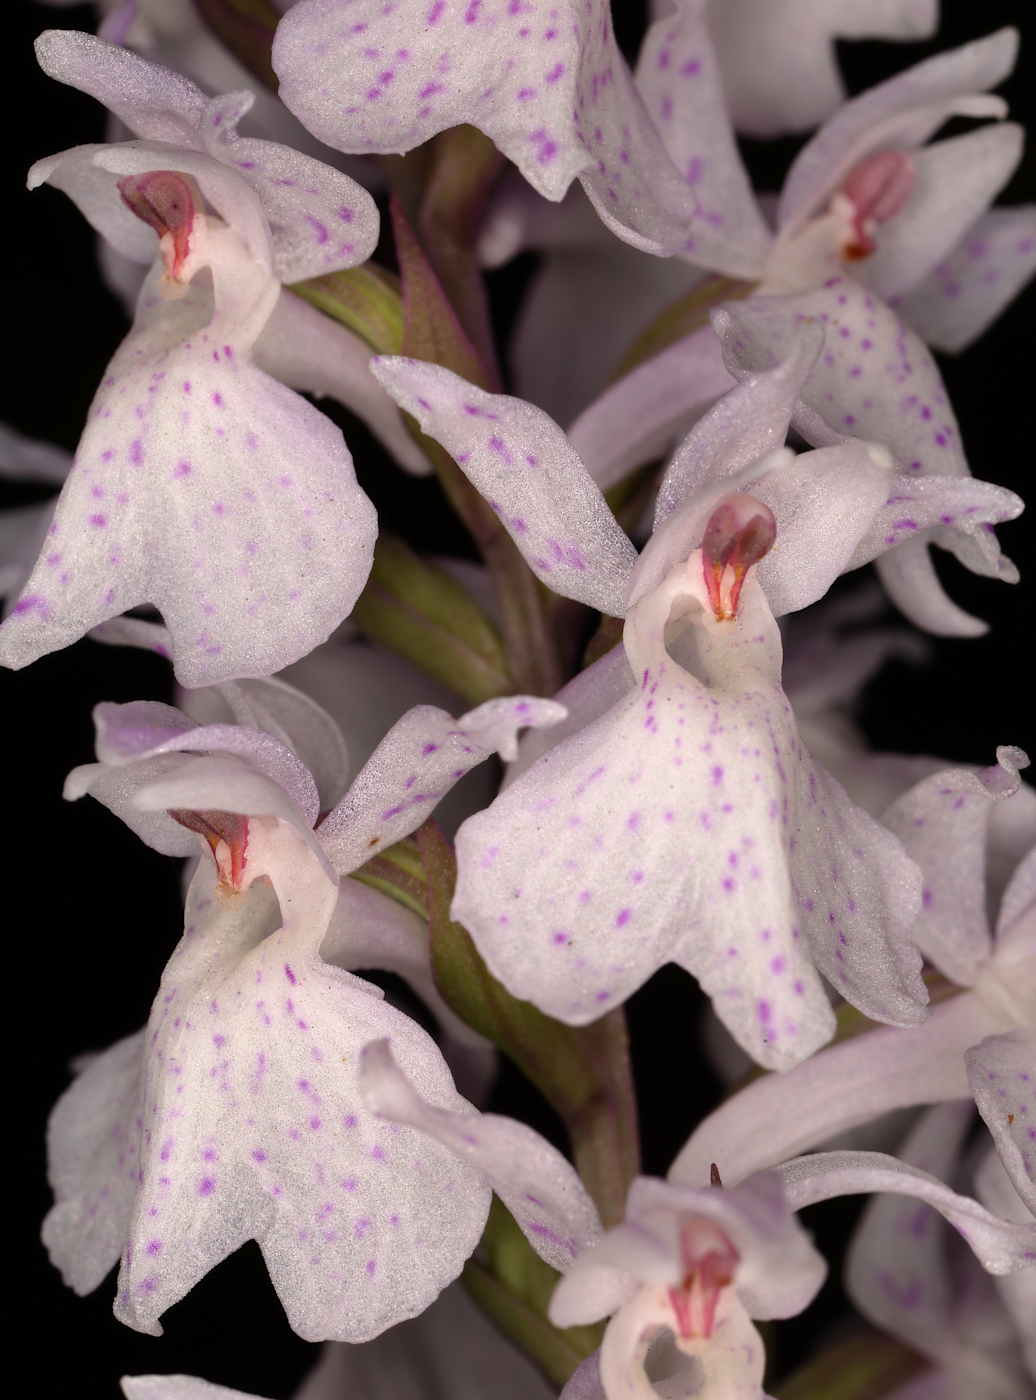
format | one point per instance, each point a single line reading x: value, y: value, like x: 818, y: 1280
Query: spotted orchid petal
x: 637, y: 417
x: 243, y: 524
x: 1002, y: 1077
x: 942, y: 823
x: 899, y: 1276
x: 420, y: 759
x: 679, y: 79
x: 552, y: 876
x: 967, y: 291
x: 955, y: 183
x: 360, y: 1226
x: 778, y: 63
x: 534, y: 1181
x: 874, y: 378
x: 838, y: 1089
x: 902, y: 112
x: 1001, y: 1246
x: 527, y: 470
x: 547, y: 84
x: 320, y: 219
x: 23, y: 533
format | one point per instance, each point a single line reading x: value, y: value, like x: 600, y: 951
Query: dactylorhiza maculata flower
x: 197, y: 468
x: 679, y: 818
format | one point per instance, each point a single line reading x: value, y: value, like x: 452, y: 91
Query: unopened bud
x: 739, y: 533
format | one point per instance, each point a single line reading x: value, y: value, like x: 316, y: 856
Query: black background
x: 93, y: 914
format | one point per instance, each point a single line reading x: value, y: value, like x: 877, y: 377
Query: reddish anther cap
x: 168, y: 202
x: 227, y: 835
x: 710, y: 1262
x: 738, y: 534
x: 877, y: 189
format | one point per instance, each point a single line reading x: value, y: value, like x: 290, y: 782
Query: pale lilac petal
x: 679, y: 79
x: 778, y: 63
x: 636, y: 418
x: 23, y: 533
x: 29, y: 459
x: 581, y: 313
x: 1018, y: 901
x: 749, y: 421
x: 306, y: 350
x: 1001, y: 1246
x: 839, y: 1088
x: 1018, y: 1291
x: 94, y: 192
x: 370, y: 930
x: 1002, y: 1077
x: 534, y: 1181
x: 874, y: 378
x: 955, y: 512
x: 133, y: 632
x: 525, y: 467
x: 92, y: 1163
x: 116, y: 789
x: 942, y: 823
x: 910, y: 580
x: 957, y: 181
x: 518, y: 217
x: 904, y: 111
x: 178, y: 1388
x: 956, y: 302
x: 417, y: 762
x: 360, y: 1225
x: 551, y: 89
x: 153, y: 101
x: 245, y: 525
x: 451, y: 1350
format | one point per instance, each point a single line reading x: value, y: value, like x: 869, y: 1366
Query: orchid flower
x: 979, y: 1043
x: 235, y: 1115
x: 903, y: 1277
x: 201, y: 485
x: 450, y: 1349
x: 684, y: 1274
x: 622, y: 848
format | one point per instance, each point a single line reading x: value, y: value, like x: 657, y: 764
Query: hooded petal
x: 547, y: 85
x: 942, y: 823
x: 961, y: 297
x: 778, y: 63
x: 1002, y: 1077
x: 208, y: 489
x: 836, y: 1090
x: 874, y: 378
x: 528, y: 472
x: 534, y: 1181
x: 1001, y: 1246
x: 679, y: 79
x: 956, y: 182
x: 93, y: 1146
x: 902, y: 112
x: 637, y: 417
x: 307, y: 350
x: 552, y: 877
x: 417, y: 762
x: 360, y: 1226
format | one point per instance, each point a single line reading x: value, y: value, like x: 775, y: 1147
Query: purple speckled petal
x: 679, y: 79
x: 360, y: 1224
x: 635, y: 419
x: 968, y: 290
x: 942, y: 823
x: 416, y: 764
x: 529, y: 473
x: 1002, y: 1076
x: 902, y: 112
x: 897, y: 1272
x: 205, y: 487
x: 838, y: 1089
x: 555, y: 877
x: 874, y: 378
x: 546, y: 82
x: 93, y: 1141
x: 778, y: 62
x: 534, y: 1181
x: 957, y: 181
x: 1001, y: 1246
